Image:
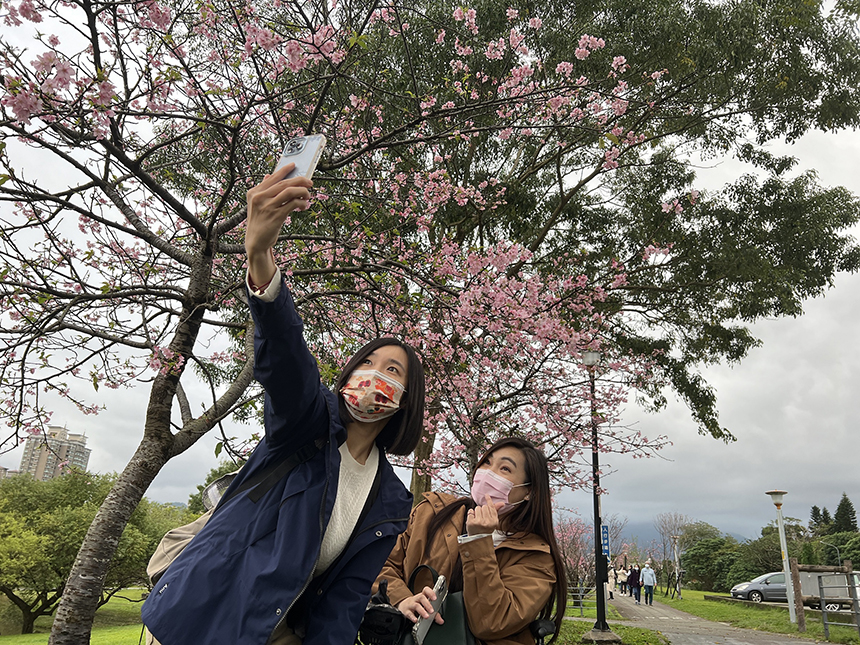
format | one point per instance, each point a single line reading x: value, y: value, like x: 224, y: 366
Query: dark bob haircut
x: 401, y: 434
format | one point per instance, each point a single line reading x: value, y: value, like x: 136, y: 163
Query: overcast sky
x: 792, y: 404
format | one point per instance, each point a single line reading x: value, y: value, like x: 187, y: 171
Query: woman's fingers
x: 483, y: 519
x: 269, y: 204
x: 274, y: 187
x: 419, y: 605
x: 278, y: 197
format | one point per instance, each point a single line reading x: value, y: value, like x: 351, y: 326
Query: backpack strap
x: 263, y: 481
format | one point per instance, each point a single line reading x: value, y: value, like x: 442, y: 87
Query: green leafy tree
x: 23, y: 558
x: 42, y: 526
x: 825, y: 526
x: 836, y: 546
x: 694, y: 532
x: 807, y: 554
x: 844, y: 519
x: 795, y: 529
x: 814, y: 519
x: 852, y: 550
x: 764, y: 554
x: 709, y: 561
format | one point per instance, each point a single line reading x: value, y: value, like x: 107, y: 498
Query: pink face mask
x: 486, y: 482
x: 371, y: 395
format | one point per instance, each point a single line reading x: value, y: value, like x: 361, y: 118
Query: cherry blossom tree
x: 575, y: 537
x: 497, y: 193
x: 576, y: 543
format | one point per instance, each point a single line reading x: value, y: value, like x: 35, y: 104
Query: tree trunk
x: 28, y: 616
x: 74, y: 620
x: 28, y: 622
x: 422, y: 480
x: 75, y: 614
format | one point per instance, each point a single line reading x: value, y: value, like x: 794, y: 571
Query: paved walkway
x: 685, y: 629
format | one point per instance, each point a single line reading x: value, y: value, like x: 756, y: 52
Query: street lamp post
x: 601, y: 631
x: 675, y: 539
x: 776, y: 496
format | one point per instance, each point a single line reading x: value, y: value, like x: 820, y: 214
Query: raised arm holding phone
x: 290, y: 557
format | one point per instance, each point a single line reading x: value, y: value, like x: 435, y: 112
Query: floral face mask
x: 371, y: 395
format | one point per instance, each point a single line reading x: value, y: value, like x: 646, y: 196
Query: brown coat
x: 504, y: 588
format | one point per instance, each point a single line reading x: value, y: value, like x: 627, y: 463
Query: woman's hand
x: 269, y: 204
x: 419, y: 605
x: 483, y: 519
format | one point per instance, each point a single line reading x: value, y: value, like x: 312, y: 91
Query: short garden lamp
x: 776, y: 496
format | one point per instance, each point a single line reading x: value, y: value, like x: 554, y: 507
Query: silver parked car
x: 769, y: 587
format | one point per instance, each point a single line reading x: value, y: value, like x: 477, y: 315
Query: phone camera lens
x: 294, y: 146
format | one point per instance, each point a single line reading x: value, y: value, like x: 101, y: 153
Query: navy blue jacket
x: 252, y: 561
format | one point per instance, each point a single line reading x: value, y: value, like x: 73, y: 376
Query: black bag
x: 384, y: 624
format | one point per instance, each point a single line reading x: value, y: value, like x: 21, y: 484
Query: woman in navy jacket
x: 294, y: 563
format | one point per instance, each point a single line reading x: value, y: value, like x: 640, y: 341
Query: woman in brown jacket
x: 501, y: 551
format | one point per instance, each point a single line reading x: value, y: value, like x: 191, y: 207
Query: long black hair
x: 532, y: 516
x: 401, y: 434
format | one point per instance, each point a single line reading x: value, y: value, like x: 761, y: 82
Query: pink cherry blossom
x: 24, y: 104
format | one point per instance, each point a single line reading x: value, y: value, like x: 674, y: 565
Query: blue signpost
x: 604, y: 540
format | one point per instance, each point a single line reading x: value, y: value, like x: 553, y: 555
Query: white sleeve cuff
x: 271, y: 291
x: 463, y: 539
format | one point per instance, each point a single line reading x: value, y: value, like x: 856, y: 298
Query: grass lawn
x: 590, y: 611
x: 765, y: 618
x: 128, y: 635
x: 116, y: 623
x: 571, y: 634
x: 572, y: 631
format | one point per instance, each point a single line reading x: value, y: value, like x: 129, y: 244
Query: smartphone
x: 419, y: 629
x: 305, y: 152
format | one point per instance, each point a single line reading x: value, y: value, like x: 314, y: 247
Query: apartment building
x: 47, y: 454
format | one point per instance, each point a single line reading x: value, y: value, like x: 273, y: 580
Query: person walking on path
x: 622, y: 580
x: 633, y: 582
x: 649, y: 579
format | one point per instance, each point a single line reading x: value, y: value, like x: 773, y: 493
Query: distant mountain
x: 645, y: 533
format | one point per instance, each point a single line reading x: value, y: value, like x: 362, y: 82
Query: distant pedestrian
x: 622, y: 580
x: 649, y: 579
x: 613, y: 581
x: 634, y: 582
